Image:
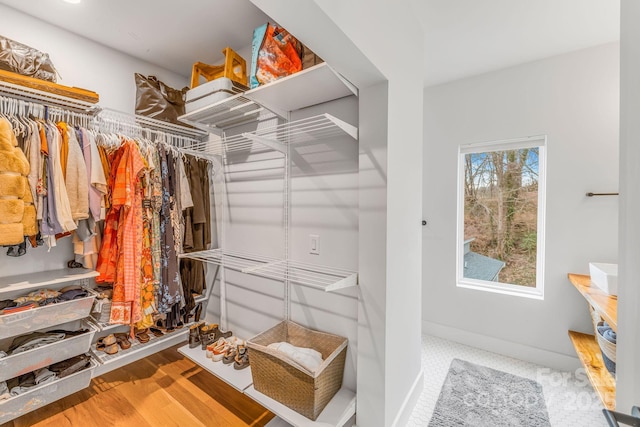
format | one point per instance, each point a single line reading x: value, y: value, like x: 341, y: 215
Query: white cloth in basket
x: 306, y: 357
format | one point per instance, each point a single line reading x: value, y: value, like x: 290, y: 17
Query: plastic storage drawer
x: 21, y: 363
x: 42, y: 395
x: 44, y: 317
x: 211, y: 92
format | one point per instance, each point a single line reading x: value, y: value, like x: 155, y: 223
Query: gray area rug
x: 474, y: 395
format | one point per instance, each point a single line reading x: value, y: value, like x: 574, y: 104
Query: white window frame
x: 539, y: 141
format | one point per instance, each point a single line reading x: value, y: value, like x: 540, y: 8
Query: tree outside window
x: 501, y: 214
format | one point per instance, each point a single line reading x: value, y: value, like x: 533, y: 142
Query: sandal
x: 142, y: 335
x: 219, y: 349
x: 229, y: 355
x: 156, y: 332
x: 123, y: 340
x: 108, y: 344
x: 74, y: 264
x: 242, y: 358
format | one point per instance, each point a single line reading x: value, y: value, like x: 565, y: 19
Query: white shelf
x: 312, y: 86
x: 109, y: 327
x: 137, y: 351
x: 48, y: 98
x: 228, y: 112
x: 42, y: 279
x: 339, y: 410
x: 278, y: 422
x: 305, y: 274
x: 238, y: 379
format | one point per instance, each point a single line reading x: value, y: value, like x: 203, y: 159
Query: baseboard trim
x: 402, y: 418
x: 547, y: 358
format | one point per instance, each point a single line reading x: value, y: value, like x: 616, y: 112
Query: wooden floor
x: 164, y: 389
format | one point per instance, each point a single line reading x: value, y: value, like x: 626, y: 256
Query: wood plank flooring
x: 164, y: 389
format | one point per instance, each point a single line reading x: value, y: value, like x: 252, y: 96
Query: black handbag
x: 157, y: 100
x: 22, y: 59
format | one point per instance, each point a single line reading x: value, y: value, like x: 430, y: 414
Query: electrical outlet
x: 314, y: 244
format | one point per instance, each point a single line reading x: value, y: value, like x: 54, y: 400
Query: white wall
x: 81, y: 63
x: 573, y: 99
x: 387, y: 70
x: 628, y: 365
x: 84, y: 63
x: 323, y: 201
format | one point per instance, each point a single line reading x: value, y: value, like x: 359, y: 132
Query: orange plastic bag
x: 275, y: 55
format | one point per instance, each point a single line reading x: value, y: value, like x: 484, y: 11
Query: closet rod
x: 150, y: 123
x: 601, y: 194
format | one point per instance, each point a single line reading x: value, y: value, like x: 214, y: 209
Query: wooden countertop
x: 589, y: 354
x: 603, y: 303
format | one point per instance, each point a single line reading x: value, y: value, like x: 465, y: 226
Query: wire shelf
x: 34, y: 95
x: 305, y: 274
x: 118, y: 118
x: 308, y: 130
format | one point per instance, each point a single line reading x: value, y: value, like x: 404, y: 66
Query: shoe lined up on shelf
x: 219, y: 345
x: 205, y: 334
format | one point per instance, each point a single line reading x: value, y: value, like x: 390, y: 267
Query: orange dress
x: 120, y: 255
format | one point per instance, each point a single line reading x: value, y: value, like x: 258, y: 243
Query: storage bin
x: 104, y: 314
x: 282, y: 379
x: 43, y: 395
x: 608, y: 350
x: 21, y: 363
x: 212, y: 92
x: 44, y: 317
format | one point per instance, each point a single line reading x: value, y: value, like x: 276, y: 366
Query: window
x: 501, y: 194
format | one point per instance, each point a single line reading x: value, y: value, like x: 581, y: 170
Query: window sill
x: 504, y: 289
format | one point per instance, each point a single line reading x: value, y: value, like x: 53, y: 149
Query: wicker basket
x: 289, y: 383
x: 608, y: 351
x: 607, y: 348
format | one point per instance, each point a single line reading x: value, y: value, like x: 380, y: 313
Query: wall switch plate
x: 314, y: 244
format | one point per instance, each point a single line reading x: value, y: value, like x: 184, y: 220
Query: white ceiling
x: 469, y: 37
x: 462, y: 37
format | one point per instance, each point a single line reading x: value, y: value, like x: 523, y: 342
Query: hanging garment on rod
x: 16, y: 202
x: 59, y: 202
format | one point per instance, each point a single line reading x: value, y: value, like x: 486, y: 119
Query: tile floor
x: 570, y: 399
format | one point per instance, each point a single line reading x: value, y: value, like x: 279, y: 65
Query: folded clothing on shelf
x: 307, y: 357
x: 33, y: 340
x: 41, y: 298
x: 23, y: 383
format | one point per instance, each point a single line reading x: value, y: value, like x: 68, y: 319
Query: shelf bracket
x: 347, y: 282
x: 347, y: 83
x: 271, y: 143
x: 346, y: 127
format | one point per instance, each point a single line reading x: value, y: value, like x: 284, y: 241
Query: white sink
x: 605, y: 276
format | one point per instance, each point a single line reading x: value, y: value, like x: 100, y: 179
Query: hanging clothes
x: 170, y: 286
x: 127, y: 202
